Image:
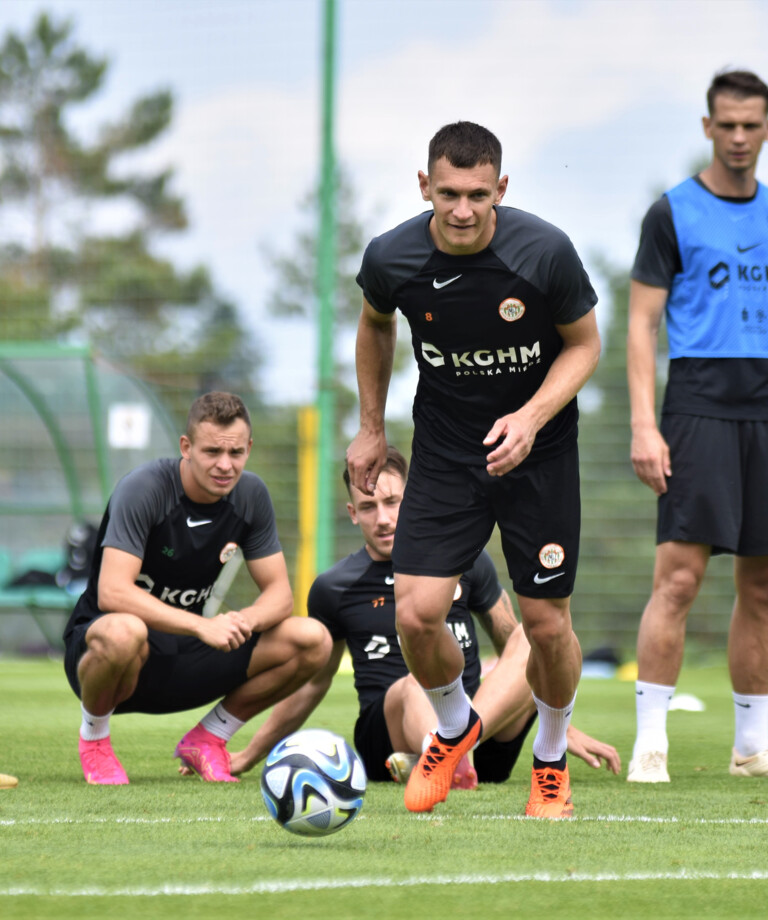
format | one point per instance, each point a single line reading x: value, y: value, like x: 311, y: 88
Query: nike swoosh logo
x: 441, y: 284
x: 389, y: 580
x: 747, y: 248
x: 745, y: 705
x: 191, y: 523
x: 538, y: 580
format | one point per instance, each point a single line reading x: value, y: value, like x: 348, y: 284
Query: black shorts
x: 718, y: 491
x: 449, y: 511
x: 372, y: 740
x: 493, y: 759
x: 181, y: 672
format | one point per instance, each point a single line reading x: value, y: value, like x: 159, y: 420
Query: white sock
x: 451, y: 704
x: 751, y: 712
x: 94, y: 728
x: 652, y: 705
x: 221, y: 723
x: 550, y: 743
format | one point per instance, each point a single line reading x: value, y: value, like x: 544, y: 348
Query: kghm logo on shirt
x: 511, y: 309
x: 485, y: 361
x: 753, y: 276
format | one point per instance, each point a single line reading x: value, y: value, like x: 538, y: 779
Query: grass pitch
x: 172, y: 846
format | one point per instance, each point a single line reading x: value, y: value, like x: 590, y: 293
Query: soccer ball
x: 313, y: 783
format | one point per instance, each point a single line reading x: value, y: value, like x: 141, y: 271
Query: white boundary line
x: 221, y: 819
x: 286, y: 886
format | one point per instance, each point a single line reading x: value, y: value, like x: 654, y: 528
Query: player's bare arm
x: 288, y: 715
x: 649, y: 451
x: 275, y: 600
x: 499, y: 622
x: 374, y: 354
x: 119, y: 593
x: 569, y: 372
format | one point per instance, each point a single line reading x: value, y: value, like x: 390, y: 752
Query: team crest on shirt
x: 511, y: 309
x: 227, y: 553
x: 551, y: 555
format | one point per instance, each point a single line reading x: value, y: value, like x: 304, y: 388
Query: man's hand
x: 224, y: 632
x: 516, y: 435
x: 650, y: 458
x: 239, y: 763
x: 592, y: 751
x: 366, y: 456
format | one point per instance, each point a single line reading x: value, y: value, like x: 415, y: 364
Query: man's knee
x: 419, y: 620
x: 546, y: 622
x: 311, y: 640
x: 679, y: 588
x: 117, y: 638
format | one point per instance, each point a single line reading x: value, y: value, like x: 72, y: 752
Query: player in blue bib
x: 702, y: 263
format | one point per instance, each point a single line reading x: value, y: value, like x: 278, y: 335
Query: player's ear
x: 184, y: 445
x: 706, y: 124
x: 501, y: 188
x: 424, y: 185
x: 351, y: 512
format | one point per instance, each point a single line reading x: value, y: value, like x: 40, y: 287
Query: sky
x: 597, y: 103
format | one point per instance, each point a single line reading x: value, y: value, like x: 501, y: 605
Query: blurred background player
x: 702, y: 258
x: 504, y: 336
x: 137, y: 640
x: 355, y: 600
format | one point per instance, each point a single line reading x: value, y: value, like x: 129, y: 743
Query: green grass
x: 168, y: 845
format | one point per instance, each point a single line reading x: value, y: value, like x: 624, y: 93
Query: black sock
x: 543, y: 764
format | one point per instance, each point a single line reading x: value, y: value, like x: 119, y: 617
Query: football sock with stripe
x: 550, y: 743
x: 652, y: 705
x: 94, y: 728
x: 751, y: 717
x: 452, y: 707
x: 221, y: 723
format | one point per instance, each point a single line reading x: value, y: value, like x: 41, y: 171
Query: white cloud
x: 595, y: 101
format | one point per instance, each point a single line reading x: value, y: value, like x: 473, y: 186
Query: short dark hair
x: 740, y: 83
x: 465, y: 144
x: 396, y: 463
x: 217, y: 407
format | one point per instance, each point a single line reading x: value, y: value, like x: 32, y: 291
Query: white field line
x: 286, y: 886
x: 432, y: 819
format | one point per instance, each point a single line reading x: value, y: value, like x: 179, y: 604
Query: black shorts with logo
x: 493, y: 759
x: 449, y: 511
x: 181, y: 672
x: 718, y: 491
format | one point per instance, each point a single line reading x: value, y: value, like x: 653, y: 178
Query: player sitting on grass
x: 137, y: 640
x: 355, y: 600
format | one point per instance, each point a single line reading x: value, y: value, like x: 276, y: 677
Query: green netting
x: 70, y: 426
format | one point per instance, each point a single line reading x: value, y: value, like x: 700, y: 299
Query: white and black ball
x: 313, y: 783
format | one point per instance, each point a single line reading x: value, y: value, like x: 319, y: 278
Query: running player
x: 136, y: 640
x: 355, y: 600
x: 504, y: 335
x: 702, y: 260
